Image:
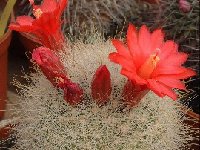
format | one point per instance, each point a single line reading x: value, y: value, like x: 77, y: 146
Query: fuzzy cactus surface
x: 48, y: 122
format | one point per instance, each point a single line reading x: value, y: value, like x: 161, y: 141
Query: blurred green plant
x: 5, y: 16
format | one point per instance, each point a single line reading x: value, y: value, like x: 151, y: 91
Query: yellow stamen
x: 148, y: 67
x: 59, y: 80
x: 37, y: 13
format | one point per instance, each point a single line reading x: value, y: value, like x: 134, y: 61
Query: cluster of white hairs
x: 48, y: 122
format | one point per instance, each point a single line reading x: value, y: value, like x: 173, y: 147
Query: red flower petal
x: 46, y: 6
x: 157, y: 39
x: 62, y: 5
x: 101, y: 85
x: 167, y: 70
x: 132, y: 39
x: 168, y: 48
x: 171, y: 65
x: 23, y: 24
x: 24, y: 20
x: 170, y: 82
x: 144, y: 41
x: 6, y: 131
x: 124, y: 61
x: 133, y: 76
x: 121, y: 49
x: 132, y: 42
x: 133, y: 93
x: 186, y: 73
x: 175, y: 60
x: 161, y: 89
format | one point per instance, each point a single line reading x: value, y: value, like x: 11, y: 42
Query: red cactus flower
x: 184, y: 6
x: 46, y: 26
x: 101, y: 85
x: 148, y: 60
x: 54, y: 70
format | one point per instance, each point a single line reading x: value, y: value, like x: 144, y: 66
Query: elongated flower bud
x: 101, y: 85
x: 50, y: 65
x: 54, y: 70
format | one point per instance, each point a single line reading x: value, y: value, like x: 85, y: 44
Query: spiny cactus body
x: 48, y: 122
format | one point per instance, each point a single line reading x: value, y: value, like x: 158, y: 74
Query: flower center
x: 59, y: 80
x: 37, y: 13
x: 149, y: 65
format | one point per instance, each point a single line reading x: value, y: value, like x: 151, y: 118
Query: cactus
x: 47, y: 122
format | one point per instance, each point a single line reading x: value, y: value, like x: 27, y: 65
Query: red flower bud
x: 50, y: 65
x: 184, y: 6
x: 101, y: 85
x: 53, y: 69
